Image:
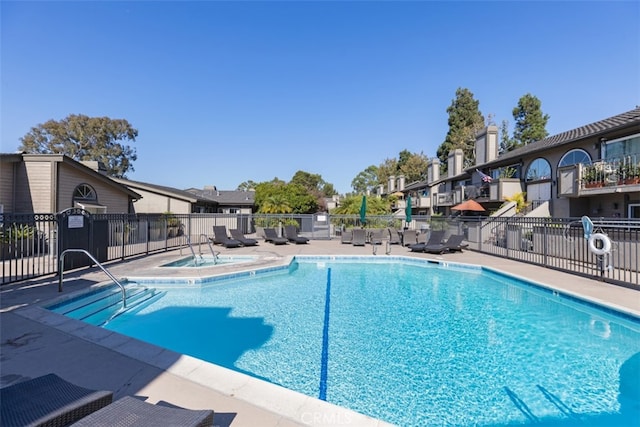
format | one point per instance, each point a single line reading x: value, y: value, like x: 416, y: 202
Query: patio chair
x: 271, y: 236
x: 376, y: 236
x: 133, y: 412
x: 237, y: 234
x: 394, y: 236
x: 48, y: 400
x: 409, y: 237
x: 359, y: 237
x: 220, y: 237
x: 435, y: 238
x: 291, y: 234
x: 453, y: 244
x: 347, y: 236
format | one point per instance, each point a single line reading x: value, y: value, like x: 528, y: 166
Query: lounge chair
x: 347, y: 236
x: 271, y: 236
x: 237, y: 234
x: 376, y: 236
x: 220, y: 237
x: 133, y: 412
x: 394, y: 236
x: 359, y: 237
x: 291, y: 234
x: 48, y: 400
x: 409, y: 237
x: 453, y: 244
x: 435, y: 238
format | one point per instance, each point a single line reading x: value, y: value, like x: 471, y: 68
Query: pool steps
x: 100, y: 307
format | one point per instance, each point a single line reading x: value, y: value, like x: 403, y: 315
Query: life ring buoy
x: 606, y: 244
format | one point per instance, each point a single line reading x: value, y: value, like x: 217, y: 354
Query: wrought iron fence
x: 30, y: 244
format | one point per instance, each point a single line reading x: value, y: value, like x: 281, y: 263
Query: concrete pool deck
x: 35, y: 341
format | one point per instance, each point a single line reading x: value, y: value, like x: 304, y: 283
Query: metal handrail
x: 208, y: 241
x: 95, y: 261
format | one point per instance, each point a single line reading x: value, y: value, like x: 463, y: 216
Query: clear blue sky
x: 225, y: 92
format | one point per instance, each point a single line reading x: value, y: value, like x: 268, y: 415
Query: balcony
x: 503, y: 188
x: 604, y: 177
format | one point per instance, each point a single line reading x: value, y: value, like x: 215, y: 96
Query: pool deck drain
x: 35, y: 341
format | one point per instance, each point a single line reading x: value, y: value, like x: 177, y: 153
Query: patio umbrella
x: 469, y: 205
x: 363, y: 211
x: 407, y: 211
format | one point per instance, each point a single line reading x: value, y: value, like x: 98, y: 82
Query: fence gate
x: 76, y: 230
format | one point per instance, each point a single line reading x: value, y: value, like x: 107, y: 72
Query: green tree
x: 414, y: 168
x: 278, y: 197
x: 530, y: 122
x: 366, y: 180
x: 86, y: 138
x: 350, y: 205
x: 506, y: 143
x: 246, y: 186
x: 465, y: 120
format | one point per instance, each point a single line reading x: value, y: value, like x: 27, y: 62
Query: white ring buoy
x: 606, y: 244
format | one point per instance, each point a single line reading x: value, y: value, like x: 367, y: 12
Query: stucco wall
x: 157, y: 203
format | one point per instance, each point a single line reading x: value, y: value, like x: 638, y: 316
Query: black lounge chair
x: 409, y: 237
x: 347, y: 236
x: 291, y: 234
x: 376, y: 236
x: 453, y: 244
x: 359, y: 237
x: 48, y: 400
x: 435, y: 238
x: 133, y: 412
x: 394, y: 236
x: 238, y: 235
x: 220, y: 237
x: 271, y: 236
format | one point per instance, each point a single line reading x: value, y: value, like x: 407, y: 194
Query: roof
x: 159, y: 189
x: 225, y: 197
x: 595, y: 129
x: 63, y: 158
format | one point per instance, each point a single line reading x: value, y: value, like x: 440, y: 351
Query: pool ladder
x: 95, y: 261
x: 193, y: 252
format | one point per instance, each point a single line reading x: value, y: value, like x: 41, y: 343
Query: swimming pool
x: 408, y: 342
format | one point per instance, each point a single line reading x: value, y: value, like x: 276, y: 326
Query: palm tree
x: 276, y: 204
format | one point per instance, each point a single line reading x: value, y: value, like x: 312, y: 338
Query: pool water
x: 412, y: 344
x: 208, y: 261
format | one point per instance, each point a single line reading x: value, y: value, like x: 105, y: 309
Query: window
x: 85, y: 197
x: 85, y: 192
x: 539, y: 169
x: 621, y: 148
x: 574, y: 157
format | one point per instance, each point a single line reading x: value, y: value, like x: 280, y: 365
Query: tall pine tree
x: 465, y: 120
x: 530, y: 122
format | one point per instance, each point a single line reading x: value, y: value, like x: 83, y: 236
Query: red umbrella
x: 469, y: 205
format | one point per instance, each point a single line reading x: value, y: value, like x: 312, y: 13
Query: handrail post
x: 95, y: 261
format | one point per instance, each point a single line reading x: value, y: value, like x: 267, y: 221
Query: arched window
x: 574, y: 157
x: 85, y: 197
x: 539, y: 169
x: 85, y: 192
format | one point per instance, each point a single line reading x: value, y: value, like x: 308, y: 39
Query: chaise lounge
x: 271, y: 236
x: 435, y: 239
x: 291, y: 234
x: 453, y: 244
x: 238, y: 235
x: 359, y: 237
x: 220, y: 237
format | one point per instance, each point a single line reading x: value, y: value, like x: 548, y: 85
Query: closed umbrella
x: 407, y: 211
x: 363, y: 211
x: 469, y: 205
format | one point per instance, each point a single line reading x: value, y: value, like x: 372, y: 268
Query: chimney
x: 381, y: 189
x: 486, y: 145
x: 401, y: 181
x: 454, y: 162
x: 433, y: 170
x: 95, y: 165
x: 392, y: 184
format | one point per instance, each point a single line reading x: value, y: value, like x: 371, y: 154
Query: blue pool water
x: 413, y: 344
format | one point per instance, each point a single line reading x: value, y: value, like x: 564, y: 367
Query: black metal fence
x: 30, y: 243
